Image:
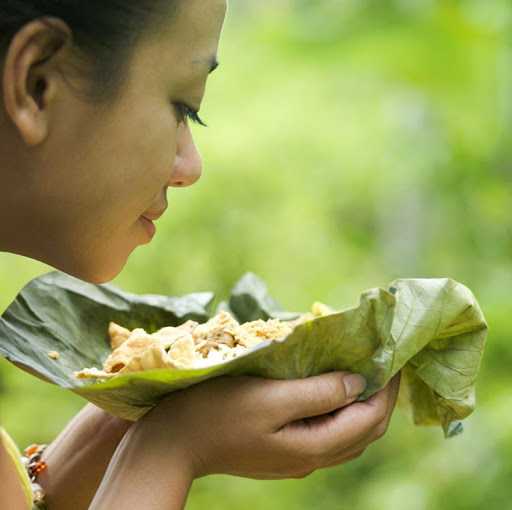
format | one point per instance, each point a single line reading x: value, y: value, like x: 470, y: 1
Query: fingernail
x: 355, y: 384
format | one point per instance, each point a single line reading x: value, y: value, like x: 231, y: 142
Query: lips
x: 147, y: 220
x: 153, y: 216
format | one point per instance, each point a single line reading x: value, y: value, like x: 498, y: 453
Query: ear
x: 30, y: 76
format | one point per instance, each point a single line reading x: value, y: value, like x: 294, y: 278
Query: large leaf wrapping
x: 433, y: 329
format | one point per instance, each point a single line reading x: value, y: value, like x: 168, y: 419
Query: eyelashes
x: 184, y: 113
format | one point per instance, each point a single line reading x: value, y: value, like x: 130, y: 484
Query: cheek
x: 145, y: 161
x: 135, y: 168
x: 141, y: 171
x: 108, y: 175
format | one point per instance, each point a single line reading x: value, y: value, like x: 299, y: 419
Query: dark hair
x: 103, y: 31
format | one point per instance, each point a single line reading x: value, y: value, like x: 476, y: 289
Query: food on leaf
x: 140, y: 348
x: 191, y: 345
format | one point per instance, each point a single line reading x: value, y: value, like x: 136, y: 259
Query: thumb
x: 317, y: 395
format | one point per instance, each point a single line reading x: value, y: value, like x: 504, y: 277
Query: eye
x: 185, y: 112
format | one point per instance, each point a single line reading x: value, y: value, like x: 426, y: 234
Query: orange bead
x: 39, y: 468
x: 30, y: 450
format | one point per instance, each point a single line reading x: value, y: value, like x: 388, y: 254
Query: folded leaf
x: 431, y: 329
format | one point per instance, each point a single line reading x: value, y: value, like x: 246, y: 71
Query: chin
x: 91, y: 272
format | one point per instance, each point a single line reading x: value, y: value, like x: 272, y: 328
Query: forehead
x: 188, y: 43
x: 195, y: 27
x: 200, y: 15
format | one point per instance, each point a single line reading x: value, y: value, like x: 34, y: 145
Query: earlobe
x: 29, y: 71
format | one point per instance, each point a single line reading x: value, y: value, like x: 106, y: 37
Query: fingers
x: 357, y: 449
x: 349, y: 457
x: 314, y: 396
x: 395, y: 387
x: 365, y: 422
x: 336, y: 438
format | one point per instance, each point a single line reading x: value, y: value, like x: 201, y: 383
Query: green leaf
x: 433, y: 330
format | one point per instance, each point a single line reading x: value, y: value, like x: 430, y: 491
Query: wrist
x: 147, y: 466
x: 162, y: 446
x: 78, y: 458
x: 172, y: 439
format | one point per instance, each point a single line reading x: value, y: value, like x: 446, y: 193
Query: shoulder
x: 15, y: 489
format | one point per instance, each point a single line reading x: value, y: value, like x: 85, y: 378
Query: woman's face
x: 102, y: 173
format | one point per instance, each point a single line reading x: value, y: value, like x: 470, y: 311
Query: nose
x: 188, y: 165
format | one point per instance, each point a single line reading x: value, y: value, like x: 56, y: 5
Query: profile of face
x: 86, y: 179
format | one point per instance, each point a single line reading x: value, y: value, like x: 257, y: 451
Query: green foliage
x: 381, y: 131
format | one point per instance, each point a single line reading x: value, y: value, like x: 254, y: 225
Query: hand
x: 268, y: 429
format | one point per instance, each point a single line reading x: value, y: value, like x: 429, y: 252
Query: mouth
x: 147, y: 220
x: 153, y: 216
x: 148, y: 226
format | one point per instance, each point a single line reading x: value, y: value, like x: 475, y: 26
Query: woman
x: 97, y: 97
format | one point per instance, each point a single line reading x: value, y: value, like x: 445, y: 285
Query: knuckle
x: 317, y: 461
x: 349, y: 458
x: 303, y: 474
x: 327, y: 393
x: 382, y: 430
x: 313, y: 460
x: 380, y: 415
x: 357, y: 454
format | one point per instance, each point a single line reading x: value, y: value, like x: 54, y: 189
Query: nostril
x: 179, y: 183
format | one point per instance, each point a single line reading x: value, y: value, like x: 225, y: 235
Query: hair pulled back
x: 103, y: 31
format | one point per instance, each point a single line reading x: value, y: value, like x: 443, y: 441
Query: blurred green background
x: 350, y: 142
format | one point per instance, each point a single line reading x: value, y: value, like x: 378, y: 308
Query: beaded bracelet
x: 34, y: 466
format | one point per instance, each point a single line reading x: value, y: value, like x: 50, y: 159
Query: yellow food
x: 190, y: 345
